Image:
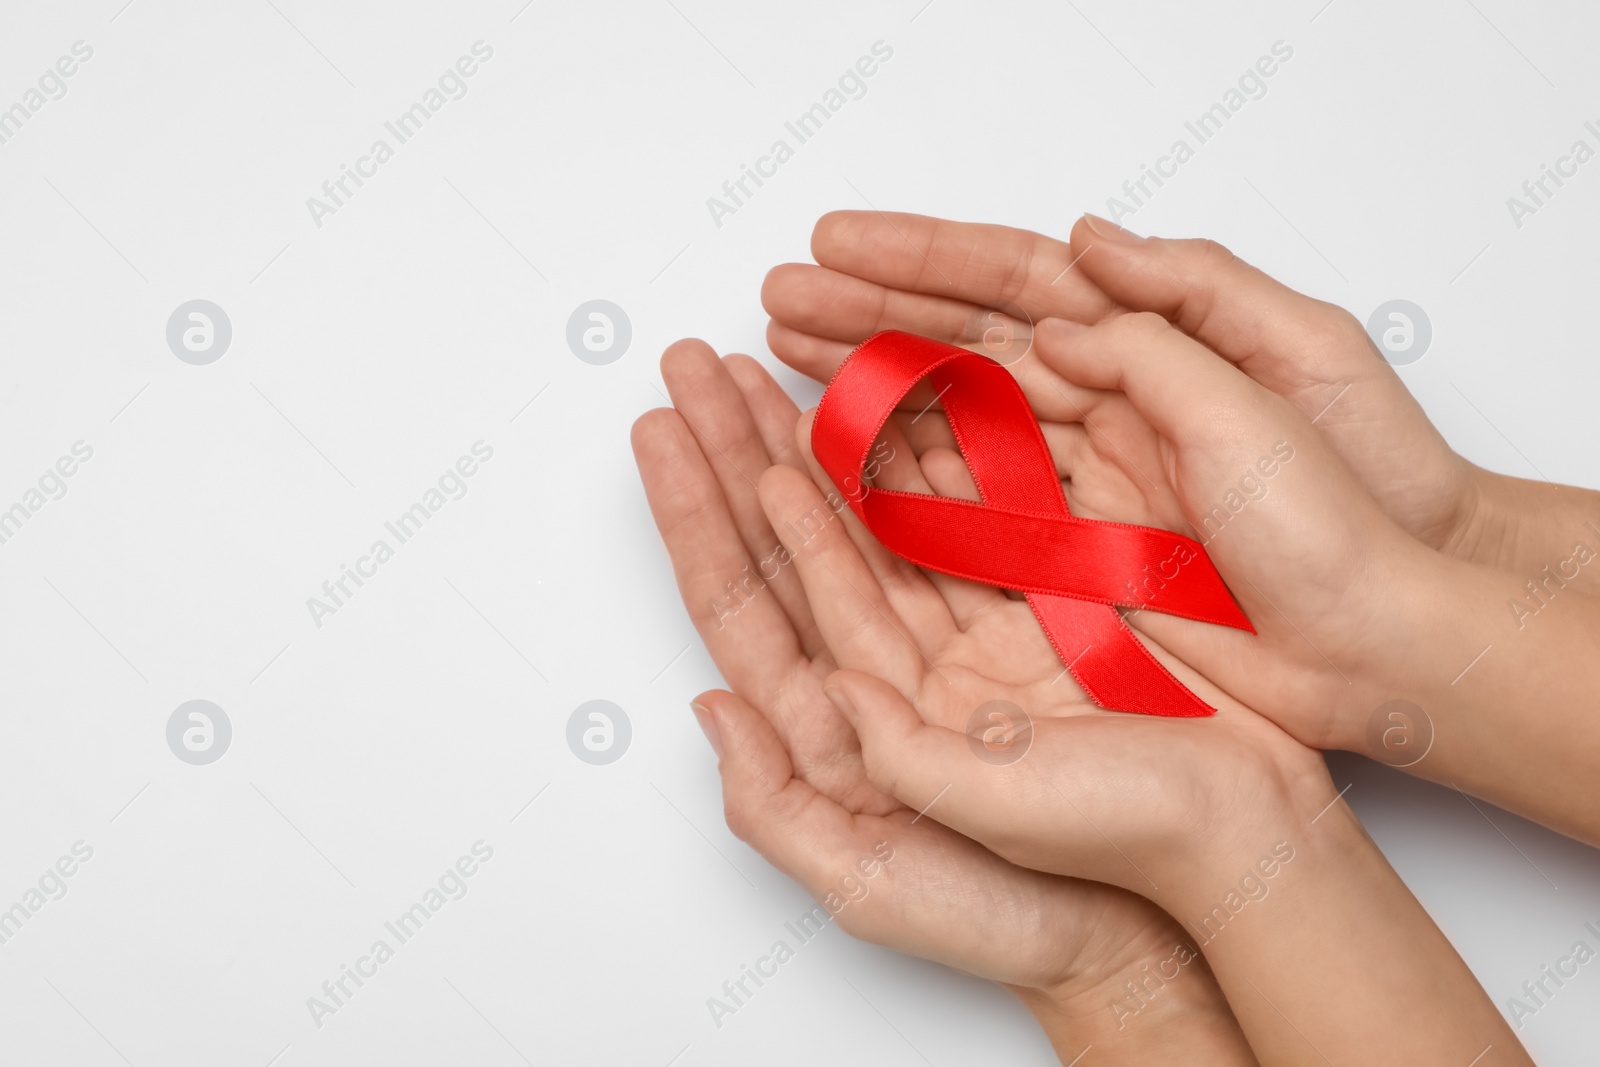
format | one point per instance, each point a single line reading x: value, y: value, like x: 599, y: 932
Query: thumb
x: 929, y: 769
x: 757, y: 773
x: 904, y: 756
x: 1251, y: 319
x: 1016, y: 809
x: 1179, y: 385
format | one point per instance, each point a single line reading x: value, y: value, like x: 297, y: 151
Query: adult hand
x: 796, y: 789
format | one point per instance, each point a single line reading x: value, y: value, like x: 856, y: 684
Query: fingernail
x: 708, y: 726
x: 840, y: 701
x: 1110, y: 231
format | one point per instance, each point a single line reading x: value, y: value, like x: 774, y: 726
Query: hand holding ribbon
x: 1075, y: 572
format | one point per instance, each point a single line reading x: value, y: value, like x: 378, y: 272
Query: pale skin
x: 795, y: 785
x: 1379, y: 565
x: 1107, y: 827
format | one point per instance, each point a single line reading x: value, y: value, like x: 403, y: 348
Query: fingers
x: 815, y: 357
x: 905, y: 757
x: 1081, y: 779
x: 901, y: 881
x: 992, y: 266
x: 1245, y: 315
x: 1067, y: 441
x: 899, y: 578
x: 857, y: 621
x: 713, y: 406
x: 774, y: 412
x: 797, y: 829
x: 917, y: 595
x: 1014, y: 809
x: 948, y: 474
x: 744, y: 627
x: 1176, y: 383
x: 1313, y: 354
x: 843, y: 307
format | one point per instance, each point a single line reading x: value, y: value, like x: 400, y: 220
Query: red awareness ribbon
x: 1022, y: 535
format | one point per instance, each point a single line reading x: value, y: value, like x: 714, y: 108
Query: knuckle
x: 1341, y: 326
x: 741, y: 820
x: 1212, y: 255
x: 1142, y: 325
x: 1334, y: 337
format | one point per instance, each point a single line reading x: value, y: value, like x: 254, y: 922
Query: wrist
x: 1334, y: 907
x: 1250, y: 840
x: 1159, y: 1004
x: 1520, y: 527
x: 1430, y: 616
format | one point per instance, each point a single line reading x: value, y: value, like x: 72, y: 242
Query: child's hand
x: 794, y: 785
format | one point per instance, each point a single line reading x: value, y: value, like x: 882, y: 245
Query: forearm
x: 1330, y: 958
x: 1165, y: 1008
x: 1507, y: 676
x: 1522, y: 527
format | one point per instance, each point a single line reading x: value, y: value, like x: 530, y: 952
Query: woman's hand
x: 983, y: 287
x: 793, y: 780
x: 1351, y: 615
x: 1206, y: 817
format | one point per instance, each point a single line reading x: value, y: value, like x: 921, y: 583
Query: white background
x: 372, y: 351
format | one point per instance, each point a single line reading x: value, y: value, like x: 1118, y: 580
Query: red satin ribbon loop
x: 1075, y: 572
